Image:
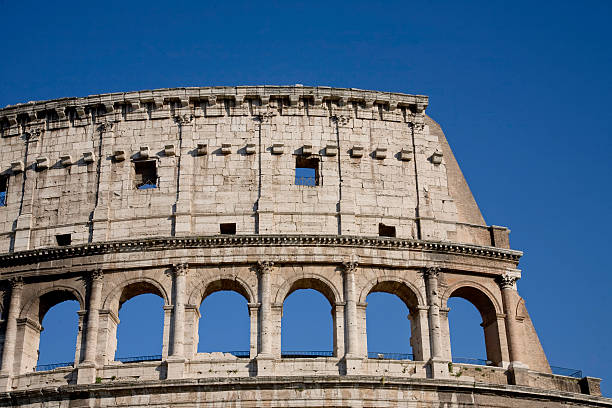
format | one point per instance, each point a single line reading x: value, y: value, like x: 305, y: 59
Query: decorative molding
x: 180, y: 269
x: 349, y: 267
x: 265, y: 266
x: 507, y: 281
x: 161, y: 244
x: 432, y: 272
x: 96, y: 275
x: 16, y: 282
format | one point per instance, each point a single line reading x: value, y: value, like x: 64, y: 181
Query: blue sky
x: 521, y: 89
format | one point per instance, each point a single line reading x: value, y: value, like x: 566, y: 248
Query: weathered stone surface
x: 389, y: 211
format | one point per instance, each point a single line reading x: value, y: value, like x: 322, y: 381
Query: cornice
x: 220, y: 241
x: 292, y: 94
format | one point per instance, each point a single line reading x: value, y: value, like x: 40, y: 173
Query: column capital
x: 180, y: 269
x: 432, y: 272
x: 349, y: 267
x: 264, y: 267
x: 507, y: 281
x: 105, y: 126
x: 16, y: 282
x: 96, y: 275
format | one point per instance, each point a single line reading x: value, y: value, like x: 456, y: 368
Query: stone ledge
x: 307, y: 382
x: 216, y: 241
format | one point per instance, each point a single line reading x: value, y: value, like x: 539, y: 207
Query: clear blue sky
x: 522, y: 90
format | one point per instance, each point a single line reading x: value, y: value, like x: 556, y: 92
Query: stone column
x: 438, y: 367
x: 507, y: 284
x: 10, y: 336
x: 87, y: 370
x: 264, y: 357
x: 176, y: 361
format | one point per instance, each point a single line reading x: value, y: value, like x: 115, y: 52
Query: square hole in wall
x: 306, y: 171
x: 63, y: 239
x: 145, y: 174
x: 228, y: 228
x: 386, y: 230
x: 3, y: 190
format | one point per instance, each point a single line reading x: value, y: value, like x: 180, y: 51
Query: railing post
x: 87, y: 369
x: 10, y: 336
x: 176, y: 361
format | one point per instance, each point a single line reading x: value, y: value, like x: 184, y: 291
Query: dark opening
x: 3, y: 189
x: 146, y: 174
x: 386, y: 230
x: 63, y: 239
x: 228, y: 228
x: 306, y: 171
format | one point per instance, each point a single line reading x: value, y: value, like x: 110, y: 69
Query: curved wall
x: 388, y: 211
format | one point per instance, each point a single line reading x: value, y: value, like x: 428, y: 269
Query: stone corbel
x: 11, y: 119
x: 109, y: 107
x: 61, y: 113
x: 89, y: 157
x: 201, y: 149
x: 250, y: 148
x: 405, y: 154
x: 294, y: 100
x: 144, y: 152
x: 42, y: 163
x: 278, y: 148
x: 380, y: 153
x: 119, y: 155
x: 331, y: 150
x: 17, y: 166
x: 436, y: 157
x: 226, y: 148
x: 357, y: 151
x: 169, y: 150
x: 66, y: 160
x: 307, y: 150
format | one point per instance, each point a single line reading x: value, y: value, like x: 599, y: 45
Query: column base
x: 518, y: 373
x: 86, y: 373
x: 438, y: 368
x: 265, y: 365
x: 6, y: 382
x: 352, y: 365
x: 175, y: 368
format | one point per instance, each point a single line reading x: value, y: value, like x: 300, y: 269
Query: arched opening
x: 141, y: 323
x: 470, y: 307
x: 224, y: 324
x: 59, y: 334
x: 307, y: 326
x: 57, y: 346
x: 393, y: 324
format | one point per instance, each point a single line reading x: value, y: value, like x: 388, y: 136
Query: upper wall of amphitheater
x: 227, y: 155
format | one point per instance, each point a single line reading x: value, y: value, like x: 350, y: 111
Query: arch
x: 490, y: 310
x: 308, y: 281
x: 130, y: 288
x: 46, y: 298
x: 219, y: 283
x: 395, y: 285
x: 478, y: 295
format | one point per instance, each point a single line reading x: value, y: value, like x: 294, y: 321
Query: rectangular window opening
x: 386, y: 230
x: 146, y: 174
x: 228, y: 228
x: 3, y: 190
x: 63, y: 239
x: 306, y: 171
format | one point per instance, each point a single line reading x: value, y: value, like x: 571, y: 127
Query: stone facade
x: 386, y: 210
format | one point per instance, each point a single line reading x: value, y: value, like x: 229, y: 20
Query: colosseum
x: 260, y: 190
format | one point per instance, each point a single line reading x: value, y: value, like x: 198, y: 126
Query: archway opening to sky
x: 141, y: 326
x: 388, y: 327
x: 224, y: 323
x: 59, y: 336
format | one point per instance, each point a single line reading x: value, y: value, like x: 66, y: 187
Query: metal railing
x: 390, y: 356
x: 47, y: 367
x: 137, y: 359
x: 239, y: 354
x: 474, y: 361
x: 568, y: 372
x: 305, y: 181
x: 306, y: 354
